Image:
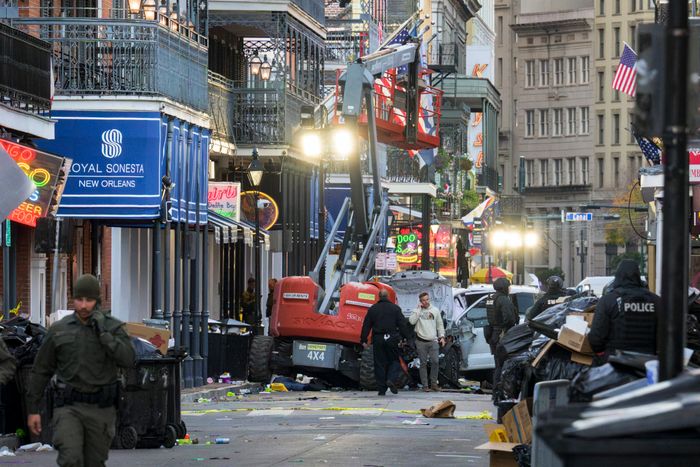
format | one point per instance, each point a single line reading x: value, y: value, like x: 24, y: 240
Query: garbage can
x: 23, y: 375
x: 148, y: 414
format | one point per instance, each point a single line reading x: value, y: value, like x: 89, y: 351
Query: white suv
x: 469, y: 319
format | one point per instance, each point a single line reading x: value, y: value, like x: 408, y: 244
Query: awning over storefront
x: 228, y: 230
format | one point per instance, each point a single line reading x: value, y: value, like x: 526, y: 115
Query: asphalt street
x: 317, y: 429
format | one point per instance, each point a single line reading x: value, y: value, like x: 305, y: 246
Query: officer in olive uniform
x: 626, y: 317
x: 502, y: 315
x: 7, y: 364
x: 82, y: 351
x: 555, y: 290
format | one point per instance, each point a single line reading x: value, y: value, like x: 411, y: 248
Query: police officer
x: 8, y: 364
x: 626, y: 317
x: 82, y: 351
x: 387, y: 323
x: 502, y: 315
x: 555, y: 290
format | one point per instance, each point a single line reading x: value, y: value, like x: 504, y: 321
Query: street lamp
x: 255, y: 173
x: 149, y: 10
x: 265, y: 69
x: 255, y: 64
x: 434, y: 228
x: 134, y: 7
x: 581, y: 252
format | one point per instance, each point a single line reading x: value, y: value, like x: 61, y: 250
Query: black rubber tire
x: 448, y: 375
x: 128, y: 438
x: 259, y: 370
x: 281, y: 351
x: 367, y: 380
x: 170, y: 436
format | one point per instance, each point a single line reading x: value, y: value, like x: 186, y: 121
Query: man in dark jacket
x: 555, y: 290
x: 83, y: 351
x: 502, y: 315
x: 387, y: 323
x: 626, y: 317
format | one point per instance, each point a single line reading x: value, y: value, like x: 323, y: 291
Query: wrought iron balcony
x: 125, y: 57
x: 488, y: 178
x: 342, y: 47
x: 511, y: 205
x: 315, y: 9
x: 25, y: 71
x: 221, y: 109
x: 443, y: 58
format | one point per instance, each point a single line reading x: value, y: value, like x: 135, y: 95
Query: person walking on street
x: 501, y: 315
x: 626, y: 317
x: 387, y: 323
x: 429, y: 330
x: 555, y: 290
x: 80, y: 355
x: 8, y: 364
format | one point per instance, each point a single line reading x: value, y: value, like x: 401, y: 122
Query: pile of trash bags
x: 522, y: 343
x: 23, y: 339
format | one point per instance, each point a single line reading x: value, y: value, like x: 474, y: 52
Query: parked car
x: 469, y: 319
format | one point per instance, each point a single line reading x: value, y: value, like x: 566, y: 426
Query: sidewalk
x: 216, y: 390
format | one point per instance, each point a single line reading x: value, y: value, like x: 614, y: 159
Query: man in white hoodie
x: 429, y: 331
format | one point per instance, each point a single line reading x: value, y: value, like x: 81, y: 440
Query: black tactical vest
x: 634, y: 321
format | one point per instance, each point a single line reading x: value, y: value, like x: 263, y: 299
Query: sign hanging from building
x: 694, y: 161
x: 268, y: 211
x: 47, y: 172
x: 225, y: 199
x: 117, y: 163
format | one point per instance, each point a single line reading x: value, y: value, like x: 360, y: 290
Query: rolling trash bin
x: 148, y: 410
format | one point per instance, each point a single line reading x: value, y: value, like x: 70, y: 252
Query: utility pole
x: 674, y: 267
x: 582, y: 252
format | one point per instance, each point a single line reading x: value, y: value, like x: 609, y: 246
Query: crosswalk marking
x: 270, y: 412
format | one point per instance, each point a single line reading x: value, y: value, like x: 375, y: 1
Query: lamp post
x: 255, y: 173
x: 581, y: 252
x: 435, y: 228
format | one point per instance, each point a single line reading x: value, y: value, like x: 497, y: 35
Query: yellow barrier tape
x: 485, y: 415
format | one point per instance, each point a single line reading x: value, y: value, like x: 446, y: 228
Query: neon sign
x: 407, y: 246
x: 268, y: 211
x: 43, y: 170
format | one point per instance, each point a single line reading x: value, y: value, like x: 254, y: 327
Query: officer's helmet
x: 554, y: 283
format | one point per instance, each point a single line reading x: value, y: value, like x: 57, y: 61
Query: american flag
x: 650, y: 150
x: 626, y: 74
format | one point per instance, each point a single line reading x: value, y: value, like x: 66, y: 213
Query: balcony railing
x: 314, y: 8
x: 511, y: 205
x: 258, y: 116
x: 221, y: 108
x: 25, y: 71
x: 124, y: 57
x: 443, y: 58
x: 488, y: 178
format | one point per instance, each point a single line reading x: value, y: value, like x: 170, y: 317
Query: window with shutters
x: 571, y: 121
x: 544, y: 72
x: 584, y: 121
x: 571, y: 77
x: 558, y: 71
x: 585, y: 70
x: 544, y: 169
x: 557, y: 172
x: 571, y: 162
x: 558, y: 122
x: 530, y: 73
x: 529, y: 123
x: 584, y: 171
x: 544, y: 122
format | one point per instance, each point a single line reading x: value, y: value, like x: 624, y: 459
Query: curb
x: 220, y: 392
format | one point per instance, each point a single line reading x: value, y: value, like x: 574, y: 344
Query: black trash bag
x: 23, y: 338
x: 522, y: 454
x: 144, y: 349
x: 557, y: 364
x: 512, y: 375
x: 593, y: 380
x: 627, y: 360
x: 515, y: 341
x: 555, y: 316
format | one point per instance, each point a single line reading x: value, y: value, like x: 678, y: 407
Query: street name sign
x: 578, y: 216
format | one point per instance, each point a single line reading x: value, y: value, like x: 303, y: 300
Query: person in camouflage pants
x: 82, y: 351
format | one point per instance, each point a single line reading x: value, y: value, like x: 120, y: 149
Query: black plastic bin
x: 148, y: 413
x: 23, y: 375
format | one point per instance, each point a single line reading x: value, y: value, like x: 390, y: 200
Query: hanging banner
x: 47, y: 172
x: 225, y: 199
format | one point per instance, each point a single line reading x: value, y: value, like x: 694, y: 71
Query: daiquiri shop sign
x: 47, y: 172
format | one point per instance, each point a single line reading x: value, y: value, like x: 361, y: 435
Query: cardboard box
x: 157, y: 337
x: 518, y: 423
x: 500, y: 454
x: 587, y: 317
x: 574, y: 341
x: 577, y: 357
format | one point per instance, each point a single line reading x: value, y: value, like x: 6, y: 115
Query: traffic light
x: 648, y: 113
